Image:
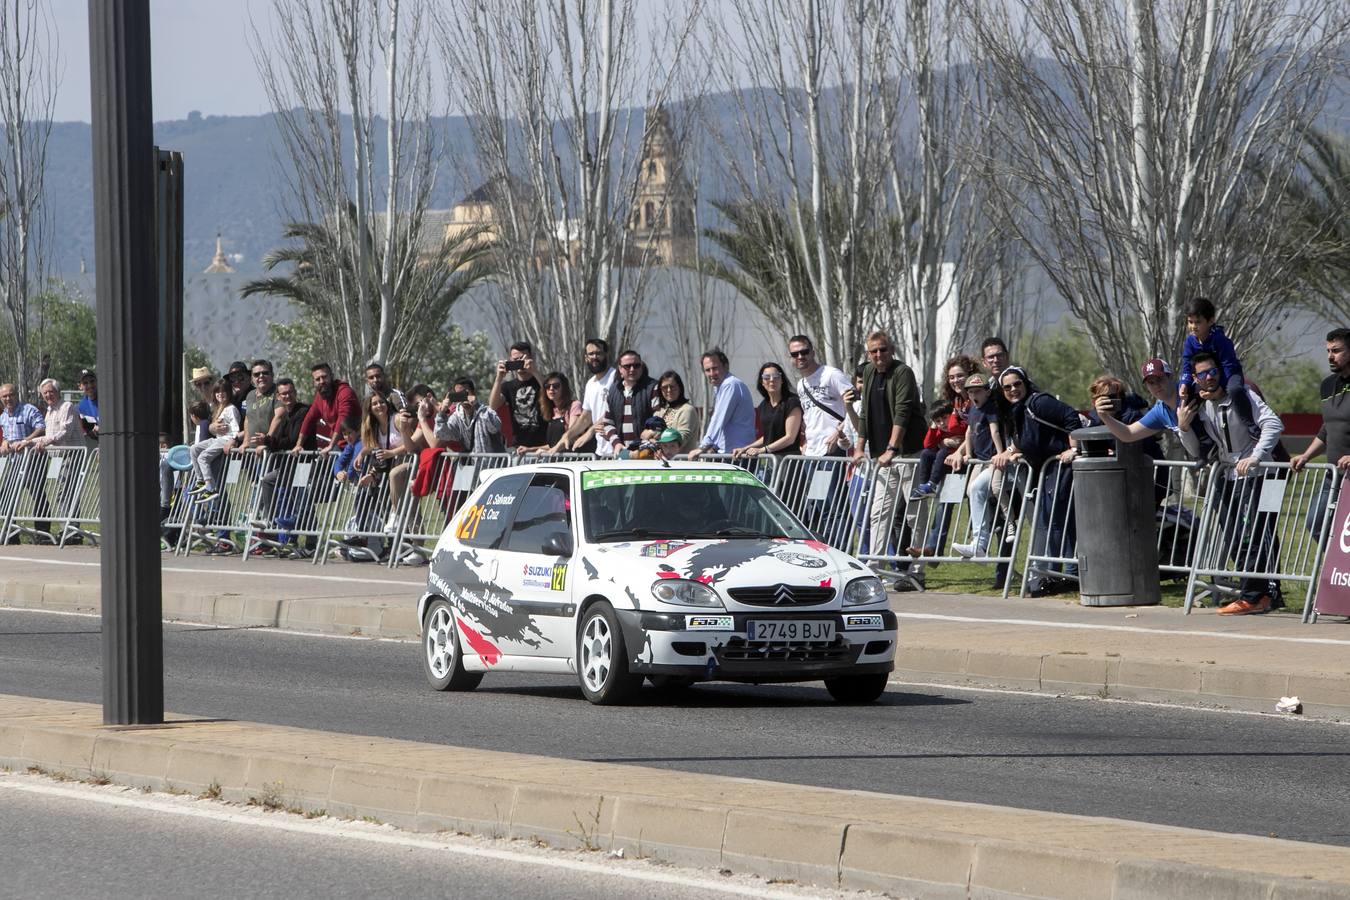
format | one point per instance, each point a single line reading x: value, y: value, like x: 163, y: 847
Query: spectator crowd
x: 988, y: 413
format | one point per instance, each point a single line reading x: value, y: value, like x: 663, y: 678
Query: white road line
x: 330, y: 828
x: 214, y: 571
x: 1133, y: 629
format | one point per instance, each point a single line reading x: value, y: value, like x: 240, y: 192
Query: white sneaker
x: 412, y: 558
x: 391, y: 526
x: 965, y: 551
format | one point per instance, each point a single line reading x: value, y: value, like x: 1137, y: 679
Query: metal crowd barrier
x: 218, y: 525
x: 82, y: 517
x: 288, y: 516
x: 1181, y: 488
x: 1051, y: 553
x: 364, y: 521
x: 37, y: 487
x: 453, y: 477
x: 1261, y: 530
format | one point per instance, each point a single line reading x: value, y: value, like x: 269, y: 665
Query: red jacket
x: 326, y: 414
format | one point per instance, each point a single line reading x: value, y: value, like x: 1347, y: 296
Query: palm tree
x: 321, y: 277
x: 765, y: 264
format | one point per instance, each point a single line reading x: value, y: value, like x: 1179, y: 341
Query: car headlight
x: 683, y: 592
x: 861, y: 591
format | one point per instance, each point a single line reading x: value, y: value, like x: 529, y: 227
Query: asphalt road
x: 80, y: 842
x: 1220, y: 771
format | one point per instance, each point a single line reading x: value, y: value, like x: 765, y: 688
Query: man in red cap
x: 1162, y: 416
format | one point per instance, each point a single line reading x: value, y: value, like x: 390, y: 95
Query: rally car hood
x: 725, y: 563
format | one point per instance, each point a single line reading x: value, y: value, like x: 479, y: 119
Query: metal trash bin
x: 1117, y: 522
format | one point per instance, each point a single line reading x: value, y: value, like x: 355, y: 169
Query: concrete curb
x: 850, y: 839
x: 1158, y: 680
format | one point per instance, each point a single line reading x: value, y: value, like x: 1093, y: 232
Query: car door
x: 538, y: 575
x: 471, y: 574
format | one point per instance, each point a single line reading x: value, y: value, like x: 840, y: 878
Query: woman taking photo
x: 382, y: 443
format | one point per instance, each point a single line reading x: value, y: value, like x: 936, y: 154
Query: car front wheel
x: 441, y: 656
x: 857, y: 688
x: 602, y: 658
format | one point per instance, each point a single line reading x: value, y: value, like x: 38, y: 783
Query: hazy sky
x: 200, y: 55
x: 201, y: 58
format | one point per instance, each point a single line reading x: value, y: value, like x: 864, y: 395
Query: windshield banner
x: 590, y: 480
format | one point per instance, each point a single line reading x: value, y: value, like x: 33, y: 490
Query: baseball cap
x: 87, y: 375
x: 976, y: 381
x: 670, y: 435
x: 237, y: 366
x: 1153, y: 367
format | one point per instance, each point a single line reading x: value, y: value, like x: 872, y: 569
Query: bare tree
x: 857, y: 113
x: 1137, y: 126
x: 555, y: 94
x: 350, y: 83
x: 28, y: 83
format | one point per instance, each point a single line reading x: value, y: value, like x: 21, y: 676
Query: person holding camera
x: 521, y: 393
x: 461, y: 419
x: 385, y: 440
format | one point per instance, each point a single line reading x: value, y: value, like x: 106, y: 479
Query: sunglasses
x: 630, y: 366
x: 771, y: 376
x: 1207, y: 374
x: 553, y: 386
x: 799, y: 354
x: 1014, y: 384
x: 261, y: 372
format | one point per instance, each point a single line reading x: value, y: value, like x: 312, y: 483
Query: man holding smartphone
x: 521, y: 394
x: 478, y: 429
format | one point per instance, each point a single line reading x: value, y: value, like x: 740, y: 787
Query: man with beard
x: 1334, y: 437
x: 334, y: 403
x: 377, y: 382
x: 595, y: 398
x: 282, y: 433
x: 521, y: 394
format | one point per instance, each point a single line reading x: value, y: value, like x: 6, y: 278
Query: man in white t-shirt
x: 821, y: 390
x: 595, y: 398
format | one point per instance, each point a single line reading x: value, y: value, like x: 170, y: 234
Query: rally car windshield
x: 683, y: 503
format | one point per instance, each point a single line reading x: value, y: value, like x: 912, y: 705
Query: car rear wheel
x: 602, y: 658
x: 857, y: 688
x: 441, y: 657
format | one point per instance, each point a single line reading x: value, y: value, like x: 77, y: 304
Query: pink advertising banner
x: 1333, y: 588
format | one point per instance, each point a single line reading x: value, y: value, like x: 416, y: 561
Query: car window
x: 483, y: 523
x: 544, y: 511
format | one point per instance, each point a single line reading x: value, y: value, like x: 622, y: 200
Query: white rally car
x: 616, y: 571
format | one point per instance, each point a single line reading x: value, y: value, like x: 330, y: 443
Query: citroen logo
x: 782, y: 595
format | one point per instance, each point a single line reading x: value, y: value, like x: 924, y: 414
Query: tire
x: 442, y: 660
x: 857, y: 688
x: 602, y: 658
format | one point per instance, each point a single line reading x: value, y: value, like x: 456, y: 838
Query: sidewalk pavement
x: 1051, y: 645
x: 852, y: 839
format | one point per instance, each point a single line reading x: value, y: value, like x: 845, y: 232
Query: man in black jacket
x: 1334, y: 437
x: 632, y: 397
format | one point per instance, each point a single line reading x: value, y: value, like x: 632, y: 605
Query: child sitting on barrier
x: 223, y: 430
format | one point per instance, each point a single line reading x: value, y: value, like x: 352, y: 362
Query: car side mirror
x: 559, y: 544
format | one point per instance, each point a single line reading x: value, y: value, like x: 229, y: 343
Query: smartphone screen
x: 515, y: 365
x: 457, y: 396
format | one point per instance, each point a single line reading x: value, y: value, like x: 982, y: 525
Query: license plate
x: 793, y: 630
